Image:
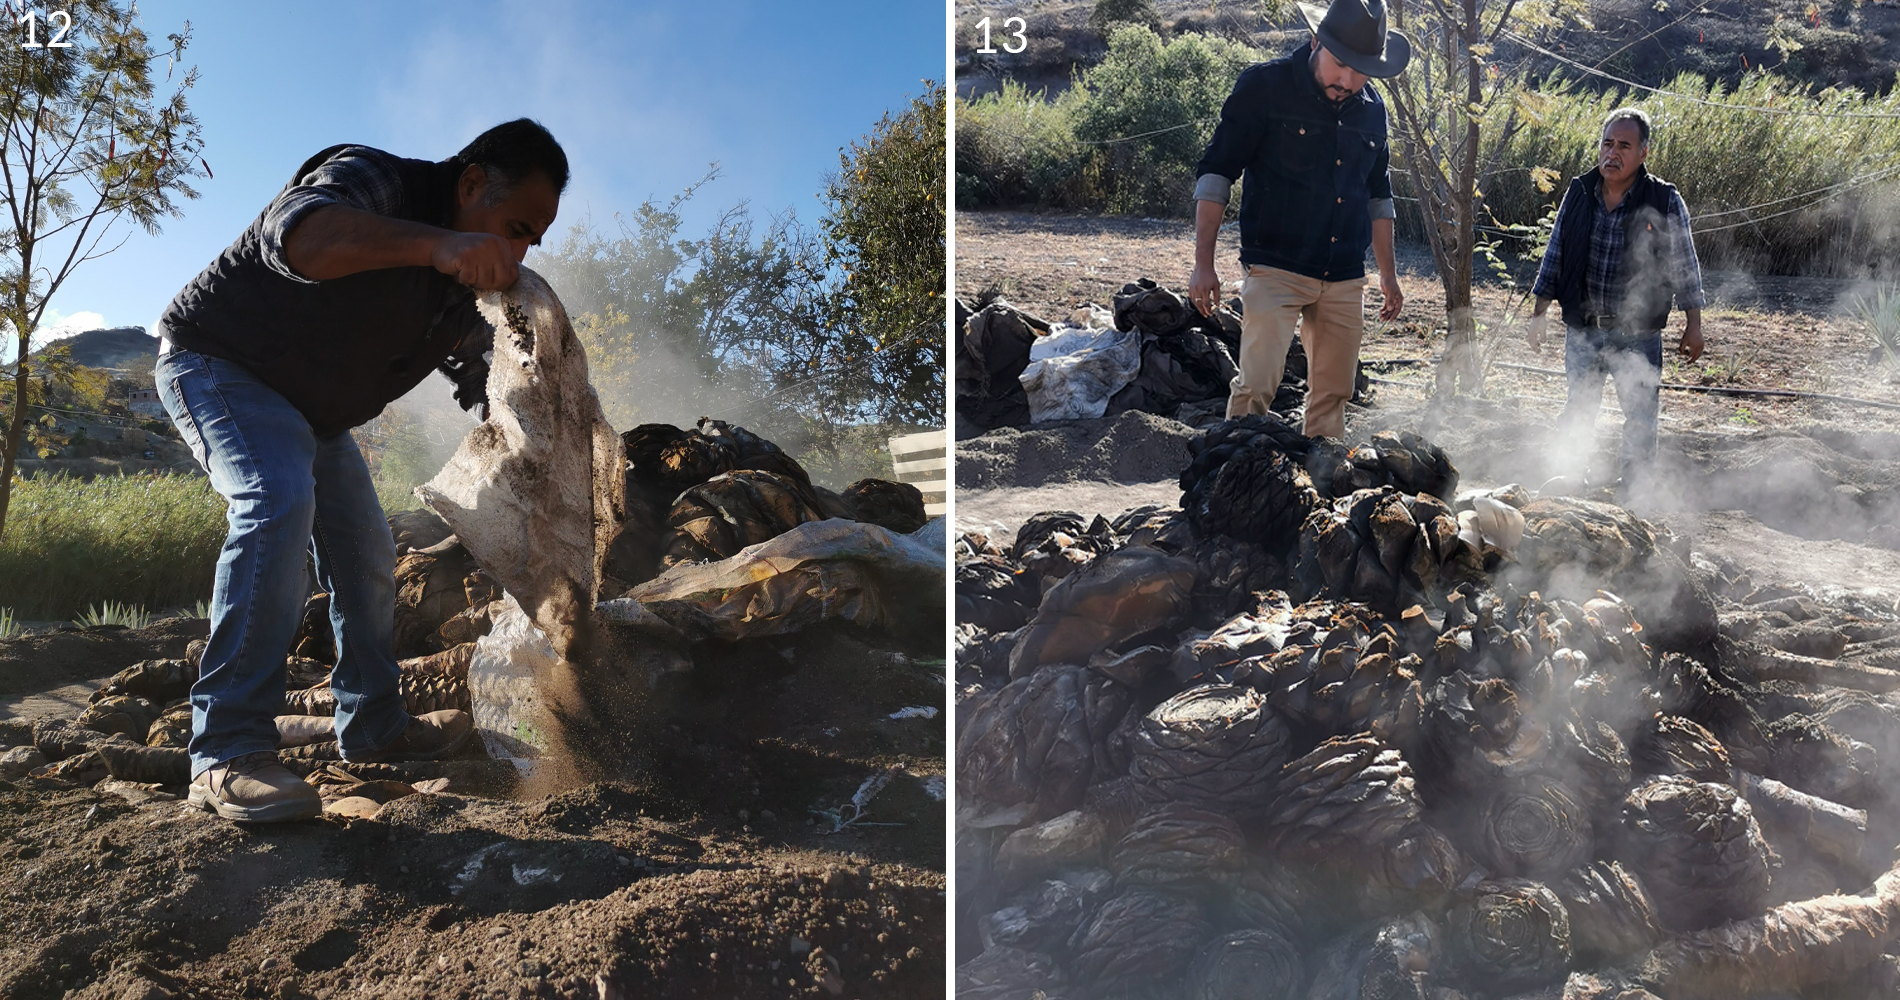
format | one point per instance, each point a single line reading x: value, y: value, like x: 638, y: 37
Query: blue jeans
x: 1634, y: 361
x: 287, y: 493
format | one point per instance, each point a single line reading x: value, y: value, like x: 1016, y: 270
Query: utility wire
x: 1808, y: 112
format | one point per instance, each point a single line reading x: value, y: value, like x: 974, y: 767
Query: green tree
x: 885, y: 232
x: 88, y: 141
x: 1153, y: 106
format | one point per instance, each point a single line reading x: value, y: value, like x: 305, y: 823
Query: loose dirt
x: 717, y: 866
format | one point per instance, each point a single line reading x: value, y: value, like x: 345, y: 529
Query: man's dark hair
x: 512, y: 150
x: 1637, y: 115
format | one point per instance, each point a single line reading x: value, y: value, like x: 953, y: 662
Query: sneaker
x: 255, y: 788
x: 432, y: 736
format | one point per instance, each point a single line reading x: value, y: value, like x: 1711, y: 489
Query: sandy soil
x: 707, y: 869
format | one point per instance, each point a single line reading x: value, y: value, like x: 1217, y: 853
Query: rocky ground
x: 725, y: 863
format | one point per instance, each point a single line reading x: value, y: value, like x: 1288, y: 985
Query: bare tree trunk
x: 1460, y: 371
x: 10, y: 448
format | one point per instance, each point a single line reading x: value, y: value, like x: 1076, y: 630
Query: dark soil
x: 1132, y: 447
x: 710, y: 869
x: 69, y: 653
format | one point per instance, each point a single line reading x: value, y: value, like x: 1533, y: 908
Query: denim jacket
x: 1314, y: 174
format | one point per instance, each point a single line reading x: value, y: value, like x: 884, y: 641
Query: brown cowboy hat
x: 1354, y: 32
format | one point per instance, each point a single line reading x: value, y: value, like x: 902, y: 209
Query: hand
x: 481, y: 261
x: 1204, y: 289
x: 1394, y: 299
x: 1691, y: 345
x: 1536, y: 335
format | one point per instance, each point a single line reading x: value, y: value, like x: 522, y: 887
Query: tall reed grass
x: 146, y: 540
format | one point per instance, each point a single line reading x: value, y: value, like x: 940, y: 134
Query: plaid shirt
x: 1607, y: 240
x: 357, y: 176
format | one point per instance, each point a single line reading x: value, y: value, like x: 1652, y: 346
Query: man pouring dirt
x: 1620, y: 254
x: 351, y: 287
x: 1306, y: 136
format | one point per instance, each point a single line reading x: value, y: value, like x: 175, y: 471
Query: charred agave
x: 1355, y: 790
x: 1402, y: 460
x: 1697, y: 846
x: 1350, y: 680
x: 1053, y: 544
x: 1115, y: 598
x: 1531, y: 828
x: 1215, y: 745
x: 1611, y: 917
x: 717, y: 518
x: 1005, y: 973
x: 896, y: 506
x: 1257, y: 964
x: 1512, y: 934
x: 1139, y: 937
x: 1177, y: 845
x: 1671, y: 744
x: 1245, y: 482
x: 1040, y: 918
x: 995, y: 593
x: 1384, y: 548
x: 1031, y: 748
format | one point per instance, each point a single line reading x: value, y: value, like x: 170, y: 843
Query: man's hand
x: 1394, y: 299
x: 1691, y: 345
x: 1536, y: 335
x: 479, y: 260
x: 1204, y: 289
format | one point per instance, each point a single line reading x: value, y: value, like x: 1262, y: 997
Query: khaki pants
x: 1276, y: 302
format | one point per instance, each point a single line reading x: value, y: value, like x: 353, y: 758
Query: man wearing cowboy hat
x: 1309, y: 138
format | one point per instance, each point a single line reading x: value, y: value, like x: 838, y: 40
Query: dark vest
x: 338, y: 350
x: 1641, y: 295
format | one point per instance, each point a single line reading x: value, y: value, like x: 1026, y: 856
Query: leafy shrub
x: 1152, y: 105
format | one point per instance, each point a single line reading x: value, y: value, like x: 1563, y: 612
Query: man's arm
x: 1204, y: 283
x: 1388, y: 270
x: 336, y: 240
x: 1687, y: 279
x: 1236, y: 138
x: 1545, y: 287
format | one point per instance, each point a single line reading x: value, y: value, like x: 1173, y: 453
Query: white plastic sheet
x: 1072, y: 373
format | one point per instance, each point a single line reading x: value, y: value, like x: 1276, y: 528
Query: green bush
x: 1152, y: 106
x: 1724, y: 157
x: 1017, y: 149
x: 144, y: 540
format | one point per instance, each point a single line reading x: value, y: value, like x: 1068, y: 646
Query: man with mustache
x: 1307, y: 138
x: 1620, y: 255
x: 355, y: 283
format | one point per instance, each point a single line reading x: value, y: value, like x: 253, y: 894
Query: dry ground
x: 1763, y: 332
x: 704, y: 870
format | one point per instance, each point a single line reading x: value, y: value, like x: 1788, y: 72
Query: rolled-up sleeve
x: 356, y: 176
x: 1685, y: 269
x: 1545, y: 287
x: 1379, y: 184
x: 1243, y: 120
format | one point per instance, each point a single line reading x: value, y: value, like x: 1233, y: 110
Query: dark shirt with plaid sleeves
x: 1603, y: 288
x: 340, y: 349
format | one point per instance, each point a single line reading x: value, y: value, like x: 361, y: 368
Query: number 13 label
x: 1015, y: 27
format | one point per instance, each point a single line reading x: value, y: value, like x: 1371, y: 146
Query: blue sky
x: 643, y: 96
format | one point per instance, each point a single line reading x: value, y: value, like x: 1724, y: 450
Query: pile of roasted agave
x: 1333, y: 730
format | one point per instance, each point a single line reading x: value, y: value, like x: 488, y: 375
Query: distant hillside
x: 1853, y: 43
x: 120, y: 347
